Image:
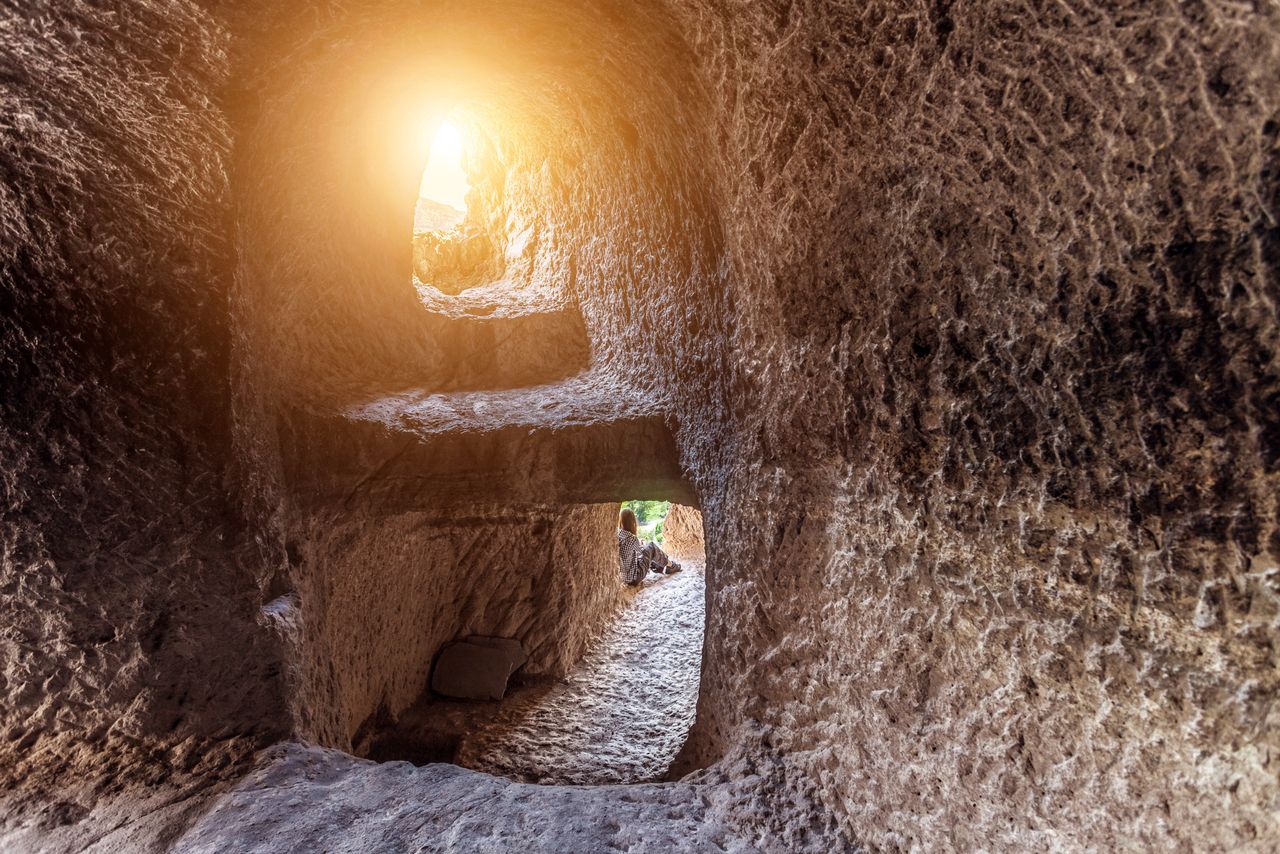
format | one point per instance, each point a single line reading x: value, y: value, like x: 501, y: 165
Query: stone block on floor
x: 512, y: 647
x: 471, y: 671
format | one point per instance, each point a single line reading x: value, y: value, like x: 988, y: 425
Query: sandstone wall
x: 1008, y: 285
x: 682, y: 533
x: 128, y: 582
x: 376, y: 600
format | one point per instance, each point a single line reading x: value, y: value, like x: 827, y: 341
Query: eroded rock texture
x: 1010, y: 335
x: 956, y: 321
x: 376, y: 602
x: 682, y: 532
x: 130, y: 651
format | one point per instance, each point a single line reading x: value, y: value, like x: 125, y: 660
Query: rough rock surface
x: 512, y: 648
x: 129, y: 581
x: 378, y: 599
x: 957, y: 321
x: 453, y: 261
x: 1007, y: 322
x: 310, y: 799
x: 682, y: 533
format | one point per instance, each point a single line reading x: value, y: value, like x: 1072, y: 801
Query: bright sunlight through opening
x: 443, y: 181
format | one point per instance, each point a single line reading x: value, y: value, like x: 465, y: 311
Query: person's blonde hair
x: 627, y: 520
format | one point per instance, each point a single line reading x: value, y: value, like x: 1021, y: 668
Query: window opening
x: 442, y: 195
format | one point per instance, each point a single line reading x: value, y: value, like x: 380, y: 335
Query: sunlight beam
x: 444, y: 179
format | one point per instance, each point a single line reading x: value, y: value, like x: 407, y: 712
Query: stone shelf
x: 587, y: 439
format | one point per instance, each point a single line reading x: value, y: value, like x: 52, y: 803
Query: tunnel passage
x: 888, y: 301
x: 959, y: 319
x: 620, y: 714
x: 457, y: 411
x: 453, y: 248
x: 493, y: 306
x: 490, y: 522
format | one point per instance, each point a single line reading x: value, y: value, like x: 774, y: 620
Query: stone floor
x: 311, y: 799
x: 619, y: 718
x: 621, y: 715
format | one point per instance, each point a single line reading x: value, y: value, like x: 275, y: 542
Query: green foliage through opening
x: 650, y: 515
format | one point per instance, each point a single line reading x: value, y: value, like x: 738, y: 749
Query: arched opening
x: 512, y: 392
x: 501, y: 308
x: 459, y: 236
x: 620, y: 714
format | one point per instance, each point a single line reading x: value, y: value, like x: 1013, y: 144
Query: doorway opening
x: 453, y: 249
x: 650, y: 516
x: 621, y: 714
x: 442, y: 193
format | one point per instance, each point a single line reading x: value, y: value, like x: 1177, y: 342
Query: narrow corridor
x: 623, y: 713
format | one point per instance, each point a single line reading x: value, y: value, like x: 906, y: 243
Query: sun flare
x: 444, y: 180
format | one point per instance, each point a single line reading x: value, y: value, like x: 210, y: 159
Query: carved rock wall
x: 1007, y: 292
x: 377, y: 599
x: 960, y: 319
x: 682, y: 533
x: 129, y: 582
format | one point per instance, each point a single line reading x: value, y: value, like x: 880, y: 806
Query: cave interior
x: 949, y: 330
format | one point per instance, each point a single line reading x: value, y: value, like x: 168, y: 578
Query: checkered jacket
x: 631, y: 558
